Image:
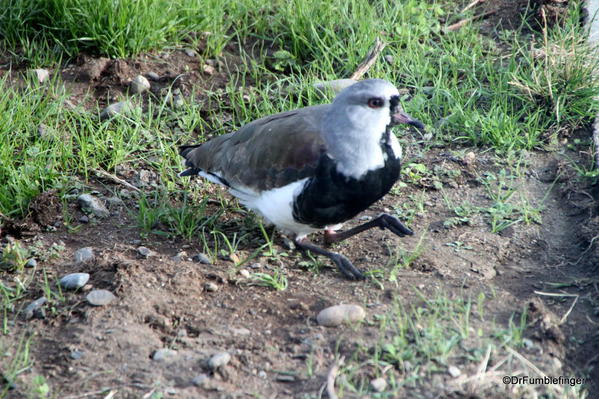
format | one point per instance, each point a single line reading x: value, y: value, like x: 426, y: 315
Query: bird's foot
x: 383, y: 221
x: 342, y: 263
x: 386, y: 221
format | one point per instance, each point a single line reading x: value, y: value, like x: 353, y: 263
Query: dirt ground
x: 163, y: 300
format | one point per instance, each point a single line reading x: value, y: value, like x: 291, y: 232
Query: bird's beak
x: 402, y: 117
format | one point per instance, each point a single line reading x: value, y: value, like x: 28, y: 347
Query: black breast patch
x: 331, y: 198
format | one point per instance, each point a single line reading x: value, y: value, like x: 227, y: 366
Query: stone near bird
x: 313, y: 168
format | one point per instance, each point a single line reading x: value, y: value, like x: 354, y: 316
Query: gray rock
x: 153, y: 76
x: 334, y: 86
x: 201, y: 258
x: 189, y: 52
x: 219, y: 360
x: 240, y: 331
x: 114, y: 201
x: 76, y: 355
x: 211, y: 287
x: 74, y: 281
x: 163, y: 354
x: 378, y: 384
x: 262, y: 374
x: 454, y: 371
x: 84, y: 219
x: 89, y: 203
x: 100, y: 297
x: 200, y: 380
x: 31, y: 263
x: 389, y: 59
x: 139, y: 84
x: 41, y: 74
x: 115, y: 109
x: 144, y: 252
x: 336, y: 315
x: 84, y: 254
x: 35, y: 308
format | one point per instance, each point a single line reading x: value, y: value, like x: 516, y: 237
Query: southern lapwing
x: 313, y: 168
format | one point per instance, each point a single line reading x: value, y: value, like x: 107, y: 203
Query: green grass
x: 483, y: 94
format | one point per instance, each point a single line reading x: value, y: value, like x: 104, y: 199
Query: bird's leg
x: 344, y: 265
x: 383, y: 221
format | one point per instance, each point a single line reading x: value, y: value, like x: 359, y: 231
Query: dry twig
x: 369, y: 60
x: 331, y: 378
x: 459, y: 24
x: 565, y: 316
x: 116, y: 179
x: 472, y: 4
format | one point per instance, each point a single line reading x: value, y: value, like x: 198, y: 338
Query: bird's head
x: 372, y: 104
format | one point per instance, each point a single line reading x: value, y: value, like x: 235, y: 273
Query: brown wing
x: 268, y: 153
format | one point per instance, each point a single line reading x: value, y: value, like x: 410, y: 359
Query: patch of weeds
x: 314, y: 263
x: 15, y: 361
x: 277, y: 280
x: 514, y: 333
x: 464, y: 213
x: 402, y: 259
x: 504, y: 211
x: 414, y: 206
x: 458, y: 246
x: 14, y: 257
x: 419, y: 175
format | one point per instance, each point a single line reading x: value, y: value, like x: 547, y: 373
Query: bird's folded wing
x: 268, y: 153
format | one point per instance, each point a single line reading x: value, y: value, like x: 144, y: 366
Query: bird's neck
x: 357, y: 147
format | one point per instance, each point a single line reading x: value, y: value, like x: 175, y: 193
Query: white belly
x: 276, y: 207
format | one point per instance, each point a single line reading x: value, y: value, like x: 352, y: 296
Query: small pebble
x: 288, y: 244
x: 89, y: 203
x: 262, y: 374
x: 100, y: 297
x: 244, y: 273
x: 200, y: 380
x: 201, y: 258
x: 210, y: 287
x: 42, y: 131
x: 115, y: 109
x: 528, y: 344
x: 144, y: 252
x: 209, y: 69
x: 74, y: 281
x: 378, y: 384
x: 285, y: 378
x: 240, y: 331
x: 83, y: 255
x: 219, y: 360
x: 76, y: 355
x: 389, y: 59
x: 139, y: 84
x: 136, y: 242
x: 255, y: 266
x: 35, y: 308
x: 41, y: 74
x: 31, y: 263
x: 163, y: 354
x: 153, y: 76
x: 454, y: 371
x: 84, y: 219
x: 336, y: 315
x: 189, y: 52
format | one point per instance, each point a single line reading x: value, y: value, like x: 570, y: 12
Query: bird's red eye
x: 375, y: 102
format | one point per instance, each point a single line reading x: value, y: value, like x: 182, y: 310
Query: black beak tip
x: 417, y: 124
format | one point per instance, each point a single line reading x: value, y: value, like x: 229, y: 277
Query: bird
x: 313, y: 168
